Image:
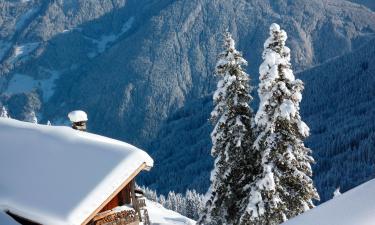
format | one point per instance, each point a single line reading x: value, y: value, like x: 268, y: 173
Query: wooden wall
x: 122, y: 198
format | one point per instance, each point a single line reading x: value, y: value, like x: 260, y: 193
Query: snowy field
x: 162, y: 216
x: 355, y: 207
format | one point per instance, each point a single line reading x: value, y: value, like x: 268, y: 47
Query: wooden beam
x: 134, y: 200
x: 130, y: 178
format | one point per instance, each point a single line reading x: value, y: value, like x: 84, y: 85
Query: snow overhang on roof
x: 57, y: 175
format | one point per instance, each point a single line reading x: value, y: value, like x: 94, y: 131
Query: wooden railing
x: 146, y: 217
x: 141, y: 202
x: 126, y: 217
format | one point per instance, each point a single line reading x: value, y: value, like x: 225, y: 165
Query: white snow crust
x: 162, y: 216
x: 354, y: 207
x: 77, y: 116
x: 58, y: 175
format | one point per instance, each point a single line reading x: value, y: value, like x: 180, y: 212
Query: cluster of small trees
x: 28, y: 116
x: 262, y: 173
x: 190, y: 205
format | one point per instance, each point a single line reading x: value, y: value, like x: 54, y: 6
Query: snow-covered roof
x: 354, y: 207
x: 57, y: 175
x: 77, y: 116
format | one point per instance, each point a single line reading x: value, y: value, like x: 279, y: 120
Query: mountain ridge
x: 132, y: 65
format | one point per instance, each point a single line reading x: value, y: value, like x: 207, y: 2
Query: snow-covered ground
x: 158, y: 216
x: 162, y: 216
x: 354, y: 207
x: 105, y: 40
x: 21, y: 83
x: 23, y: 51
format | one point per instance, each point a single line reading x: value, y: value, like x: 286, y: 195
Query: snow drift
x: 354, y: 207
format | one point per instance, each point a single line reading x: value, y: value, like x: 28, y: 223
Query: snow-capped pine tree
x: 337, y: 192
x: 285, y: 188
x: 4, y: 112
x: 232, y: 139
x: 194, y: 204
x: 162, y: 200
x: 171, y: 201
x: 180, y: 204
x: 31, y: 117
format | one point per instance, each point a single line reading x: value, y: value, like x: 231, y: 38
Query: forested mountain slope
x: 130, y: 64
x: 141, y: 68
x: 338, y: 105
x: 368, y: 3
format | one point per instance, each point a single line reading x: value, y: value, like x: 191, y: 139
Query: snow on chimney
x: 78, y: 119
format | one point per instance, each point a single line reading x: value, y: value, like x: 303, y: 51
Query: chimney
x: 78, y: 119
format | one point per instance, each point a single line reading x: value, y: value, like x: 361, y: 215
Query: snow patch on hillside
x: 23, y: 51
x: 104, y: 41
x: 21, y: 83
x: 355, y: 207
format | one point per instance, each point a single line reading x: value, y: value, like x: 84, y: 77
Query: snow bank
x: 355, y: 207
x: 162, y: 216
x: 57, y: 175
x: 77, y: 116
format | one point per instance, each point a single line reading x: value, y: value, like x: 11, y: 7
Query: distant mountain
x: 337, y: 105
x: 131, y: 64
x: 134, y: 65
x: 181, y: 150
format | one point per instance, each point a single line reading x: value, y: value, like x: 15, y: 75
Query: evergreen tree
x: 162, y: 200
x: 194, y: 204
x: 285, y: 188
x: 337, y: 192
x: 31, y: 117
x: 232, y: 139
x: 180, y: 204
x: 171, y: 201
x: 4, y: 112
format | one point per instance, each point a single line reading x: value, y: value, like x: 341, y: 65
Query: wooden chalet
x: 55, y: 175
